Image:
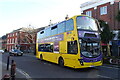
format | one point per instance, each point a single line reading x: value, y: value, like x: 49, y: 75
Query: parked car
x: 16, y: 52
x: 1, y: 51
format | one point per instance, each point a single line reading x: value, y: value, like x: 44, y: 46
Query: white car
x: 1, y: 51
x: 16, y: 52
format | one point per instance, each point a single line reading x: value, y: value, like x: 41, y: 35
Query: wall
x: 110, y: 17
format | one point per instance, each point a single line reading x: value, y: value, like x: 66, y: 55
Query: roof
x: 95, y: 3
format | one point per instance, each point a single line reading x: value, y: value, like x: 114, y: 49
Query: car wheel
x: 15, y: 54
x: 10, y: 54
x: 21, y: 54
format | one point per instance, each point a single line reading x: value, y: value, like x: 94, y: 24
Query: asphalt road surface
x: 35, y: 68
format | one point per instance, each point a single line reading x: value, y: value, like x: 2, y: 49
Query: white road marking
x: 44, y: 63
x: 104, y: 76
x: 24, y: 73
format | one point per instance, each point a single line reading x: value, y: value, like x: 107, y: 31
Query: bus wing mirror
x: 98, y: 25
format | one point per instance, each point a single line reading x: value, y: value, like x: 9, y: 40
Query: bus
x: 74, y: 43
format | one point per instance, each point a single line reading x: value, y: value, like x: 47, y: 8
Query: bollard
x: 6, y: 77
x: 13, y: 70
x: 8, y: 61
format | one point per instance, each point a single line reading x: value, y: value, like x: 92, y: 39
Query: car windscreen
x: 17, y: 50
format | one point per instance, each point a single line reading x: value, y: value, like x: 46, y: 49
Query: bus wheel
x: 61, y: 62
x: 41, y: 57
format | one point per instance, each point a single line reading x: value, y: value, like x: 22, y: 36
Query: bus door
x: 72, y: 47
x: 72, y: 50
x: 55, y: 53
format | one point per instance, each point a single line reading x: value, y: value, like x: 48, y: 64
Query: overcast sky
x: 15, y: 14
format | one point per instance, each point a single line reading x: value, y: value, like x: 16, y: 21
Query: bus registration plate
x: 92, y: 66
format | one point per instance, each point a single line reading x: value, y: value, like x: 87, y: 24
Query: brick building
x: 16, y: 39
x: 105, y: 10
x: 23, y: 39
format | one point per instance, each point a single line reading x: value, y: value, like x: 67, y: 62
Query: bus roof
x: 63, y: 21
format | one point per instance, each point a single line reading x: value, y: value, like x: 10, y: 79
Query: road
x: 35, y: 68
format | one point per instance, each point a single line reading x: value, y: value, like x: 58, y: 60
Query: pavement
x: 19, y: 74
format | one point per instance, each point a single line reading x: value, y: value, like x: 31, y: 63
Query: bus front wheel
x: 41, y: 57
x: 61, y: 62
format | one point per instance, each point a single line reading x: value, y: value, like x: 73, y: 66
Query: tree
x: 118, y: 16
x: 106, y: 34
x: 119, y: 35
x: 118, y: 19
x: 29, y: 34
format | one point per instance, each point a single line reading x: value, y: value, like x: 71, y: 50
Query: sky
x: 15, y: 14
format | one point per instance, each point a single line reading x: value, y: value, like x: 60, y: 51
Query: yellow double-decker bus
x: 73, y: 43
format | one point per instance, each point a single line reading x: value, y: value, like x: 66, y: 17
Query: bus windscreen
x: 86, y: 23
x: 90, y: 48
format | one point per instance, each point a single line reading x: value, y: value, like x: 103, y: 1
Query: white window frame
x: 13, y: 40
x: 103, y: 10
x: 8, y: 41
x: 10, y: 47
x: 119, y: 6
x: 16, y: 34
x: 16, y: 40
x: 10, y: 35
x: 89, y: 13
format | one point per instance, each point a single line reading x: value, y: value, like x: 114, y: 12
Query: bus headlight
x: 81, y: 62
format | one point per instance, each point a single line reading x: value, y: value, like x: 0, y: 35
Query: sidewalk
x: 19, y: 74
x: 112, y: 62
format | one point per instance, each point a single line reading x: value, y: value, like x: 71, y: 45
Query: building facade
x: 16, y: 39
x: 23, y: 39
x: 0, y: 43
x: 105, y: 10
x: 4, y: 42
